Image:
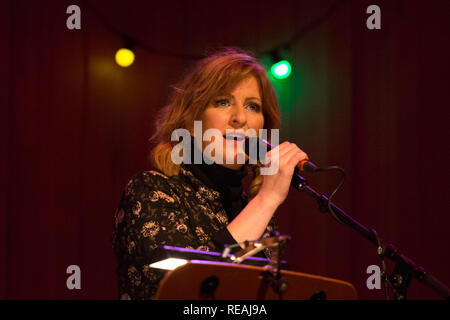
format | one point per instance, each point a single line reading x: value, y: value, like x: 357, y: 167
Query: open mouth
x: 234, y: 137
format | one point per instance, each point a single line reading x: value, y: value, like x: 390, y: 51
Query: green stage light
x: 281, y: 69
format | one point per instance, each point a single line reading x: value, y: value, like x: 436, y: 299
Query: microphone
x: 255, y: 144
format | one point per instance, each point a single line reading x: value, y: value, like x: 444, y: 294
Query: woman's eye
x: 254, y: 106
x: 222, y: 103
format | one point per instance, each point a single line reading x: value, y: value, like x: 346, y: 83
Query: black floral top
x: 159, y: 210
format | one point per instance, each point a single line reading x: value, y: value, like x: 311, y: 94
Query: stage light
x: 281, y: 69
x: 169, y: 263
x: 124, y: 57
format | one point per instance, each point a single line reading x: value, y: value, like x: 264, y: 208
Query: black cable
x: 380, y: 248
x: 330, y: 209
x: 136, y: 42
x: 337, y: 4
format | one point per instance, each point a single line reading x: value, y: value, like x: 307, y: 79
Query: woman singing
x: 202, y: 206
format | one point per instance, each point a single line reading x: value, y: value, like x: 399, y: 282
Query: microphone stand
x: 272, y: 275
x: 405, y: 269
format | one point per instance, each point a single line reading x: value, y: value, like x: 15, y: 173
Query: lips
x: 234, y: 137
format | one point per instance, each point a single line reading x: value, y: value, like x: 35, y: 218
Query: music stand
x: 207, y: 280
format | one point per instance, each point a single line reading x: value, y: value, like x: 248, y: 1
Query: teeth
x: 235, y: 137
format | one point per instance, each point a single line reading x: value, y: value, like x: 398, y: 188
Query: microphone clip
x: 251, y: 248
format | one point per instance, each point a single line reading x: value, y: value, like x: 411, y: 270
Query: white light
x: 168, y: 264
x: 281, y: 69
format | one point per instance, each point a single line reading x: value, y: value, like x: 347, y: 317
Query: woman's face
x: 235, y: 111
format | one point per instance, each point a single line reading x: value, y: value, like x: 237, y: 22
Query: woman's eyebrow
x: 229, y: 95
x: 255, y: 98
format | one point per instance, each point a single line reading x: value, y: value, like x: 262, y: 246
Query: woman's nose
x: 238, y: 116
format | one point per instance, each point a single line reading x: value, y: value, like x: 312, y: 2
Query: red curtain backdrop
x: 75, y: 128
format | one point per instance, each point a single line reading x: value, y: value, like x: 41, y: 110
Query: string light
x: 124, y: 57
x: 281, y: 69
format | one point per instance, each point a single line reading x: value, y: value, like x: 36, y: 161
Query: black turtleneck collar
x: 227, y: 182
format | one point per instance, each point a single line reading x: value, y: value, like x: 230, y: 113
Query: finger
x: 293, y: 158
x: 282, y: 149
x: 296, y: 149
x: 280, y: 155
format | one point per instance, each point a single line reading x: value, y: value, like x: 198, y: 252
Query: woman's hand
x: 275, y: 188
x: 251, y: 222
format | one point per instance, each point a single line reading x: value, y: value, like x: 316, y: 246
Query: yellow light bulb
x: 124, y: 57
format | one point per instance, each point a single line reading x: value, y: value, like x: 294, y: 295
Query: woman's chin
x: 233, y: 166
x: 234, y: 162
